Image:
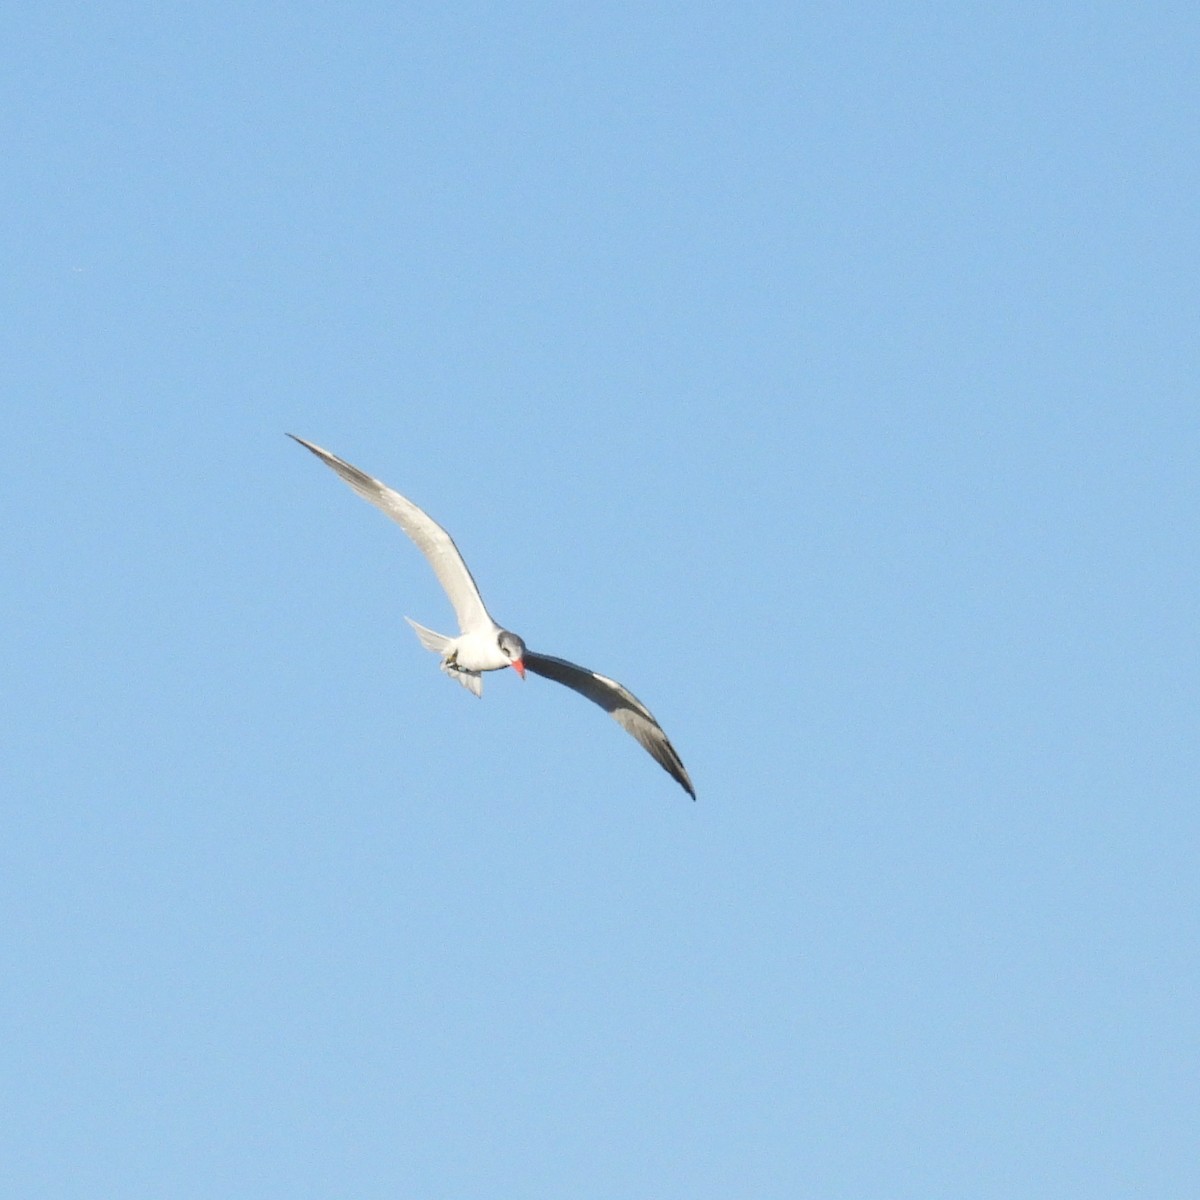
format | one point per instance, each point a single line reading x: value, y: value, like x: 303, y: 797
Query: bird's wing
x: 621, y: 704
x: 431, y: 539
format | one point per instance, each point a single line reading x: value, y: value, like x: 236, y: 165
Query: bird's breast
x: 479, y: 651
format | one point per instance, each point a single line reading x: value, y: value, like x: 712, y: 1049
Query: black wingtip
x: 323, y: 455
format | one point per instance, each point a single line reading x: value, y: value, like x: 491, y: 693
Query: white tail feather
x: 439, y: 643
x: 471, y: 680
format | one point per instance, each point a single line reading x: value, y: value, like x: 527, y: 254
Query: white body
x: 481, y: 644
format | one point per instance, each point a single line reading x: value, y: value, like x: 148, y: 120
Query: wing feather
x: 431, y: 539
x: 621, y: 704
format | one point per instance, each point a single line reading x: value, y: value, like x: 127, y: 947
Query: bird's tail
x: 437, y: 642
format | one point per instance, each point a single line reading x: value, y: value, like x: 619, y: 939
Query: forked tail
x: 436, y: 642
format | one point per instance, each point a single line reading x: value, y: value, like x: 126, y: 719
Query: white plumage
x: 482, y: 645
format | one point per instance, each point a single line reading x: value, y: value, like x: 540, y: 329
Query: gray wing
x: 621, y: 704
x: 431, y: 539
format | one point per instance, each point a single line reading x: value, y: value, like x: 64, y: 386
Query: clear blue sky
x: 827, y: 375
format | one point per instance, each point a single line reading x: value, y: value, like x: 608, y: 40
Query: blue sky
x: 828, y: 377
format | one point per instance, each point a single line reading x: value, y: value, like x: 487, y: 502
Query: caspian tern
x: 482, y: 645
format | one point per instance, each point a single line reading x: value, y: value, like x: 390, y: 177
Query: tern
x: 482, y: 645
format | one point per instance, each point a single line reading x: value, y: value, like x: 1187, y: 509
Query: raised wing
x: 431, y: 539
x: 621, y: 704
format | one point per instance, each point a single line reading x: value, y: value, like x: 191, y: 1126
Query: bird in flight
x: 482, y: 645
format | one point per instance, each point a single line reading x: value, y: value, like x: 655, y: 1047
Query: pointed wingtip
x: 682, y: 778
x: 678, y: 771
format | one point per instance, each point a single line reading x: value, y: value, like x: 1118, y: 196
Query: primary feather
x: 482, y: 644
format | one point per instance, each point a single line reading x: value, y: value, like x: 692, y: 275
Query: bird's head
x: 513, y: 649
